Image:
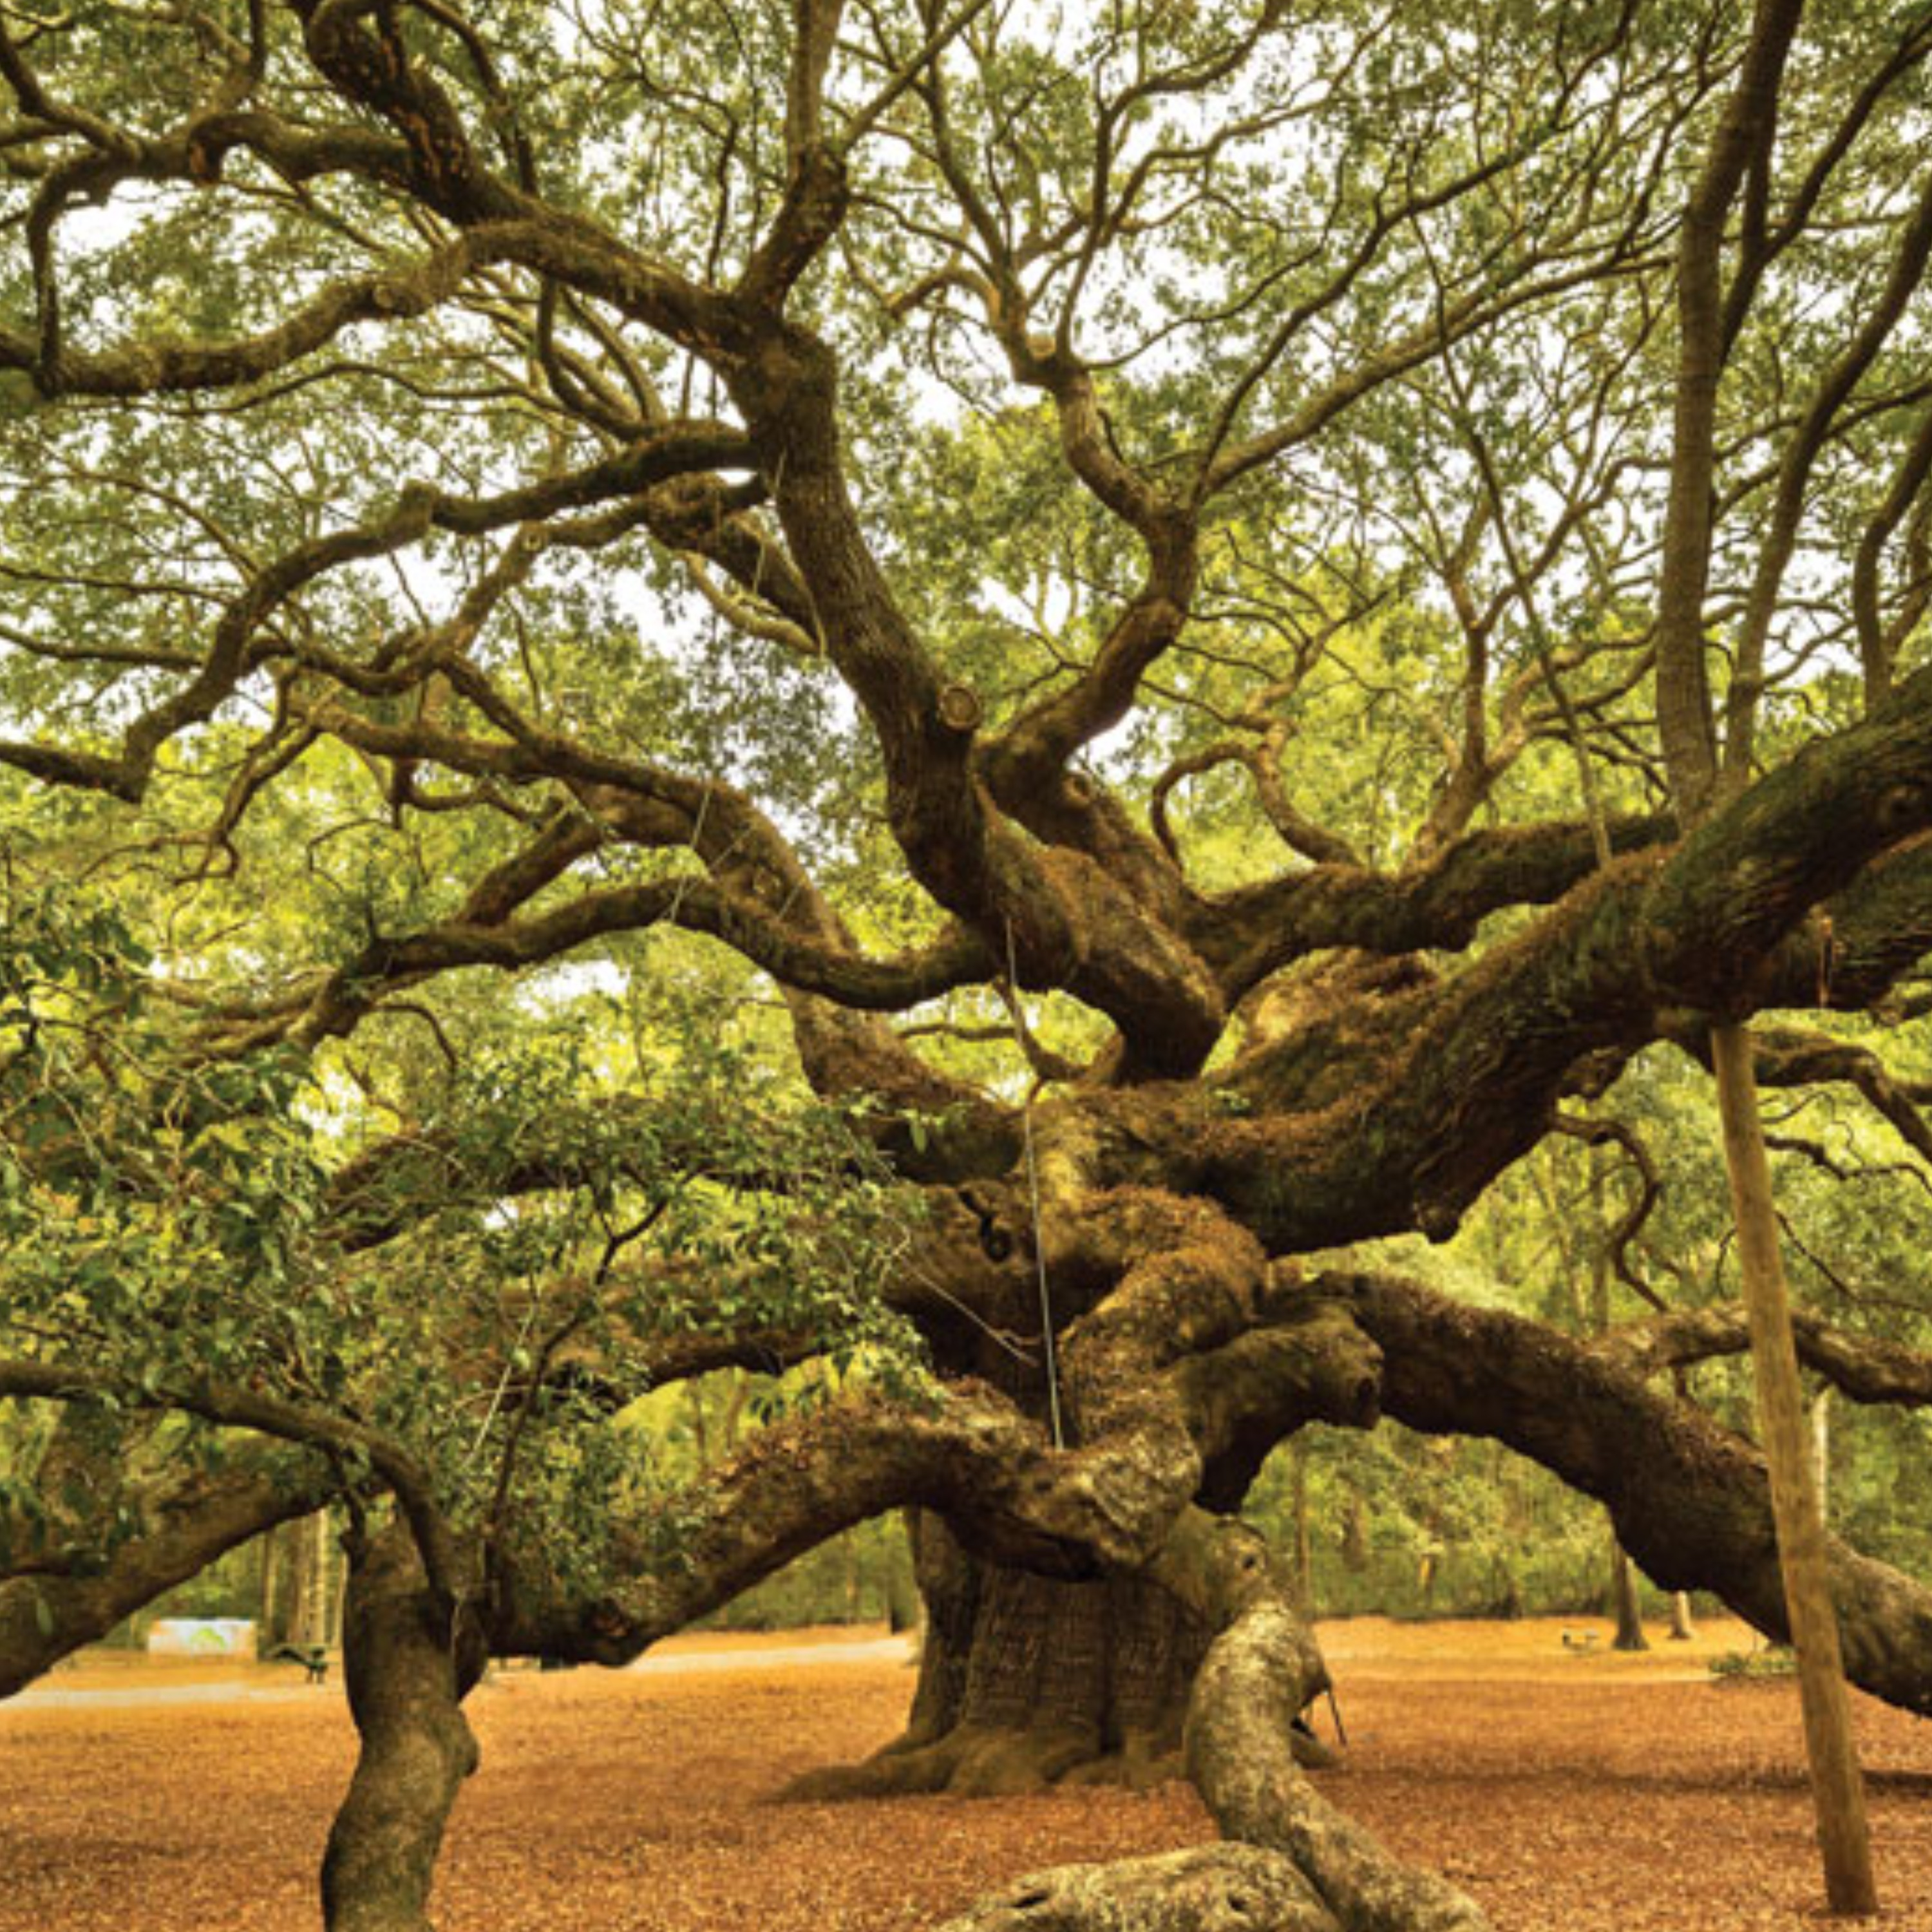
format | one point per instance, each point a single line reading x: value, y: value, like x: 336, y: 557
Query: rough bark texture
x: 1838, y: 1783
x: 1026, y: 1680
x: 1291, y: 1863
x: 1378, y: 1054
x: 1624, y: 1603
x: 1261, y: 1669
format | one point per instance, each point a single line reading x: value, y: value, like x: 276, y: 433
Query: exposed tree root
x: 1262, y: 1670
x: 1291, y: 1863
x: 1208, y: 1889
x: 979, y: 1761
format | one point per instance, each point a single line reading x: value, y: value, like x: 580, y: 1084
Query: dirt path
x: 1572, y: 1792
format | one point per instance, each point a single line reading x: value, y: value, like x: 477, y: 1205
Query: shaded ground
x: 1571, y: 1791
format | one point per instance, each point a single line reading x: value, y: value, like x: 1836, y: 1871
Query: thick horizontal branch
x: 970, y: 1454
x: 1792, y: 1057
x: 1691, y: 1502
x: 1396, y: 1116
x: 696, y: 905
x: 163, y: 367
x: 186, y: 1521
x: 1194, y: 1348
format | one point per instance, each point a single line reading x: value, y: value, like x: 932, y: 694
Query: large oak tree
x: 1091, y: 628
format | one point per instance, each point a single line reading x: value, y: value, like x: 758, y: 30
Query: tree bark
x: 1242, y: 1886
x: 271, y: 1608
x: 1821, y: 1452
x: 310, y: 1622
x: 1292, y: 1863
x: 408, y: 1669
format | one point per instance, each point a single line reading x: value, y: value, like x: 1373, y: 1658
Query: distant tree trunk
x: 272, y: 1613
x: 1426, y: 1573
x: 336, y: 1598
x: 1683, y: 1628
x: 714, y: 1439
x: 896, y: 1582
x: 1506, y: 1591
x: 309, y: 1621
x: 1304, y: 1541
x: 700, y: 1423
x: 731, y: 1424
x: 1624, y: 1602
x: 848, y: 1553
x: 1354, y: 1534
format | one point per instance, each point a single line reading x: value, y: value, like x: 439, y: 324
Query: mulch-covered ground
x: 1570, y: 1792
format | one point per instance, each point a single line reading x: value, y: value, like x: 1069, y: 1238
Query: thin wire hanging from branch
x: 1049, y: 1348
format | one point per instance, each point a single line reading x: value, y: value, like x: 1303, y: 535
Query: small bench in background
x: 312, y: 1657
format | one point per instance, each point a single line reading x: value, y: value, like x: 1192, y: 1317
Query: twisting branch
x: 396, y: 1465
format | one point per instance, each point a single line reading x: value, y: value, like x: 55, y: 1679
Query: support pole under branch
x: 1838, y: 1787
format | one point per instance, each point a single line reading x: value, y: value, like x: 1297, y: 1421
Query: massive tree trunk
x: 1291, y: 1862
x: 1027, y: 1680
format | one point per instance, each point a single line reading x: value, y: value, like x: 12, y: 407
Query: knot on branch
x: 204, y: 155
x: 1903, y: 808
x: 416, y: 510
x: 960, y: 710
x: 995, y: 1212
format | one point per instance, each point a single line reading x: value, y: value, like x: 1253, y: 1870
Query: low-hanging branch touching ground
x: 924, y: 697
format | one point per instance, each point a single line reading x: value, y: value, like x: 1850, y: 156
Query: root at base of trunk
x: 992, y: 1761
x: 989, y: 1761
x: 1025, y: 1682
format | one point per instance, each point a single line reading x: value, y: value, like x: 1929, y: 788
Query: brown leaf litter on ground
x: 1570, y: 1791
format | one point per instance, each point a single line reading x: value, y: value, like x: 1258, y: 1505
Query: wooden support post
x: 1838, y: 1788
